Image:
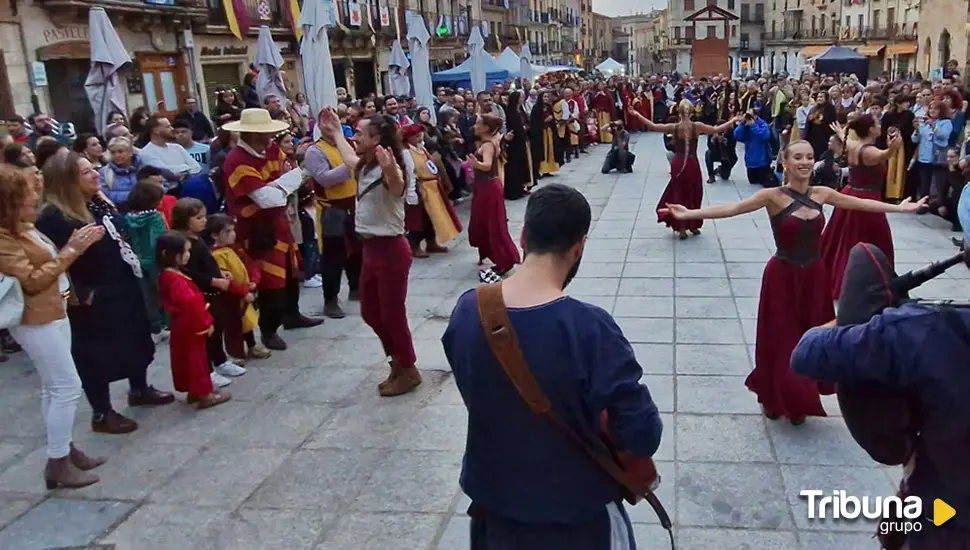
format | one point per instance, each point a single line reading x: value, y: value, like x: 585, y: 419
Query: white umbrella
x: 476, y: 49
x: 269, y: 62
x: 525, y: 60
x: 418, y: 38
x: 400, y: 85
x: 108, y: 56
x: 318, y: 79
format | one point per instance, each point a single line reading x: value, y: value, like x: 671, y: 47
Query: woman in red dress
x: 191, y: 323
x: 867, y: 177
x: 795, y: 293
x: 488, y: 228
x: 686, y: 184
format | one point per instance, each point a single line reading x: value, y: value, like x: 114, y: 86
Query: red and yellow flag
x: 292, y: 8
x: 237, y: 18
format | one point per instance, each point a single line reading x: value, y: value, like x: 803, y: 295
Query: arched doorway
x: 944, y: 47
x: 928, y: 58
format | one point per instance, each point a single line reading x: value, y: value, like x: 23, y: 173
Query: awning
x: 808, y: 52
x: 870, y: 51
x: 901, y: 49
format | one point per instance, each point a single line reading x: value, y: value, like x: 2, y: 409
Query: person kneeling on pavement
x: 619, y: 158
x: 755, y: 134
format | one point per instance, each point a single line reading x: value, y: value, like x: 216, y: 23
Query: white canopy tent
x: 610, y: 66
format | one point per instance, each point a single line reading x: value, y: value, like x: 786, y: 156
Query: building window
x: 822, y: 25
x: 734, y: 30
x: 745, y: 12
x: 711, y: 31
x: 759, y: 12
x: 676, y: 33
x: 731, y: 5
x: 690, y: 33
x: 875, y: 20
x: 689, y: 5
x: 712, y: 3
x: 862, y: 21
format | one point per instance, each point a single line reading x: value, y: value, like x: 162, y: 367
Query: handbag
x: 11, y: 302
x: 636, y: 477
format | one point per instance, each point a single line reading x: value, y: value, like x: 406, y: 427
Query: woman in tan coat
x: 44, y: 332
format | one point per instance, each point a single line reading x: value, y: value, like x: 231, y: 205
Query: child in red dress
x: 191, y: 323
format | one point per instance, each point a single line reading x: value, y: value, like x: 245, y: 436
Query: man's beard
x: 572, y: 272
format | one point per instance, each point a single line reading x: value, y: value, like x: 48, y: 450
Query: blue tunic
x: 917, y: 348
x: 521, y: 467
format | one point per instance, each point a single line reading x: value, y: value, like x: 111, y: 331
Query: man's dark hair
x: 148, y: 171
x: 181, y: 123
x: 556, y: 218
x: 153, y: 122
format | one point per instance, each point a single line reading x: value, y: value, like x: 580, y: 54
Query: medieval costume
x: 519, y: 172
x: 241, y: 318
x: 488, y: 228
x: 566, y: 112
x: 543, y: 142
x: 336, y: 191
x: 191, y: 322
x: 605, y: 109
x: 433, y: 219
x: 256, y: 196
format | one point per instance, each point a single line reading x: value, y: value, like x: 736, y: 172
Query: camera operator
x: 755, y: 134
x: 922, y: 350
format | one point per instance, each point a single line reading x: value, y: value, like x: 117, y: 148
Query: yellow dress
x: 432, y: 200
x: 229, y: 261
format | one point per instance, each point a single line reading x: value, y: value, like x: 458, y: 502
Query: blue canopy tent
x: 837, y: 60
x: 460, y: 76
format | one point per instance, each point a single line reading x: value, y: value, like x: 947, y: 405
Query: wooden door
x: 165, y: 82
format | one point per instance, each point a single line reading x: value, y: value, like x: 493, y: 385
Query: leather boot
x: 82, y: 461
x: 404, y: 381
x: 60, y: 472
x: 273, y: 341
x: 296, y: 321
x: 391, y: 376
x: 113, y: 423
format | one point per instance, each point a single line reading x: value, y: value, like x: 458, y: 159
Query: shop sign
x: 216, y: 51
x: 53, y: 35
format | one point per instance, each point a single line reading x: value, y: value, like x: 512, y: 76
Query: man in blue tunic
x: 925, y: 350
x: 531, y: 487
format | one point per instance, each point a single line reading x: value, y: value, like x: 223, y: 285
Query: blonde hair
x: 62, y: 188
x: 120, y: 140
x: 784, y: 157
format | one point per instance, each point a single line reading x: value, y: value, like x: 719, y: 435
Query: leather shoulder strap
x: 505, y: 346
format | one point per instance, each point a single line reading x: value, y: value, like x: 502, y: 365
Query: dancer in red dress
x: 488, y: 228
x: 686, y: 184
x: 867, y: 177
x: 191, y: 323
x: 795, y: 293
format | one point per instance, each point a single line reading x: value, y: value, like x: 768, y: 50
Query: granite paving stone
x: 308, y: 455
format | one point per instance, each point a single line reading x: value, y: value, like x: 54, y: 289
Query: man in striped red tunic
x: 256, y: 194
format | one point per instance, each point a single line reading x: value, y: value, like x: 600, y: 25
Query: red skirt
x: 488, y: 228
x: 845, y: 229
x: 686, y: 188
x: 416, y: 219
x: 793, y: 300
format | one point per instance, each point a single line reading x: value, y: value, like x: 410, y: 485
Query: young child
x: 191, y: 323
x: 145, y: 225
x: 236, y: 306
x: 592, y: 128
x: 189, y: 219
x: 153, y: 175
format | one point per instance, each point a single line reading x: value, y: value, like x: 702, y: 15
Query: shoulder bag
x: 11, y: 302
x: 636, y: 477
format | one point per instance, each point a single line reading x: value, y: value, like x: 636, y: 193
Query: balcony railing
x: 895, y: 30
x: 681, y: 41
x: 801, y: 34
x: 495, y: 4
x: 753, y: 18
x: 217, y: 13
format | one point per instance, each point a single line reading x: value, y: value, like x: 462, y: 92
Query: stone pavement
x: 308, y: 456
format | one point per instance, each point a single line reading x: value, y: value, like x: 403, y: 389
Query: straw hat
x: 256, y: 121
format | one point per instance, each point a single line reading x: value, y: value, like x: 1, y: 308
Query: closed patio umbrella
x: 318, y: 78
x: 525, y: 60
x: 269, y: 62
x: 418, y: 38
x: 108, y: 56
x: 476, y: 49
x: 400, y: 84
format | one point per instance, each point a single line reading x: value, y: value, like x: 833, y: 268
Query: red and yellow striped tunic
x: 245, y: 174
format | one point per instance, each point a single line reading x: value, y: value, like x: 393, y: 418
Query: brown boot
x: 332, y: 309
x: 82, y: 461
x: 113, y: 423
x: 406, y: 379
x: 60, y: 472
x: 390, y: 377
x: 417, y: 252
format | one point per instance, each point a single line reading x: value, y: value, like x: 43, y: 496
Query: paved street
x: 307, y: 455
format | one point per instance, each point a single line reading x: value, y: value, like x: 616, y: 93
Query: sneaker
x: 313, y: 282
x: 160, y: 337
x: 489, y: 276
x: 259, y: 351
x: 230, y: 369
x: 218, y: 380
